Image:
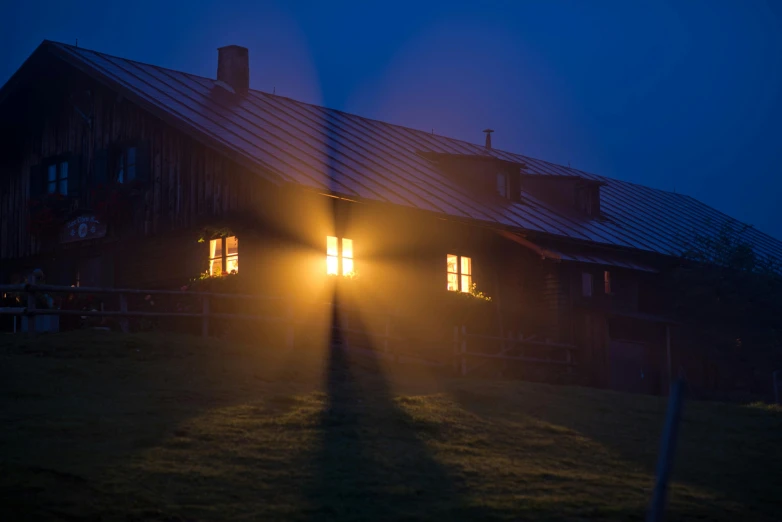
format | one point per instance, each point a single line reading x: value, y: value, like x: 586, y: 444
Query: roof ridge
x: 340, y: 111
x: 406, y: 139
x: 146, y: 64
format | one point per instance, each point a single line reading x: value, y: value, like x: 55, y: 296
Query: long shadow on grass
x: 725, y: 449
x: 372, y: 463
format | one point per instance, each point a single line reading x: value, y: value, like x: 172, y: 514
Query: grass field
x: 100, y: 426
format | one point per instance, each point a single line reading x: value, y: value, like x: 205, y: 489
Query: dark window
x: 502, y: 184
x: 584, y: 199
x: 126, y: 165
x: 586, y: 284
x: 57, y: 178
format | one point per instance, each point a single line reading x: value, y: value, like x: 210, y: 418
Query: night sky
x: 683, y: 96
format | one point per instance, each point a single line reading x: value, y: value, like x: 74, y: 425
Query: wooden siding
x: 188, y: 182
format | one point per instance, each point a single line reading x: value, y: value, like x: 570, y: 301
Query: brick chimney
x: 233, y: 67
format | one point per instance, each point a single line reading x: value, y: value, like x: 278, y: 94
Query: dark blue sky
x: 675, y: 95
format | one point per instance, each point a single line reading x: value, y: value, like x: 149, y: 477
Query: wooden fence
x: 465, y: 354
x: 471, y: 351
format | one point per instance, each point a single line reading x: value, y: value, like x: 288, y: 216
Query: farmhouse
x: 115, y: 173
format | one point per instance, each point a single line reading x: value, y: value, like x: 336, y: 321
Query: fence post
x: 464, y: 350
x: 123, y: 307
x: 290, y: 331
x: 31, y: 307
x: 667, y: 451
x: 205, y: 316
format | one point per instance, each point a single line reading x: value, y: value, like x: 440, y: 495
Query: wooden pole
x: 205, y: 316
x: 667, y: 450
x: 123, y: 307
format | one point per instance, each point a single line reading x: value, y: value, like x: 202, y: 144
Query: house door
x: 629, y: 372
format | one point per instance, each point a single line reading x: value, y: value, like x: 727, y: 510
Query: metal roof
x: 602, y: 258
x: 327, y: 149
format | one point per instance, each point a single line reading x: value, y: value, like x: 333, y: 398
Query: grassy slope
x: 98, y: 426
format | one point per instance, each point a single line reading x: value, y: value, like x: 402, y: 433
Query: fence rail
x: 467, y: 355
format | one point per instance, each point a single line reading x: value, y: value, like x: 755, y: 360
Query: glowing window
x: 459, y: 273
x: 339, y: 251
x: 607, y: 282
x: 224, y: 256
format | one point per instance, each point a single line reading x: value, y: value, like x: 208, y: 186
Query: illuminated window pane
x: 228, y: 247
x: 215, y: 267
x: 332, y: 265
x: 334, y: 255
x: 607, y: 281
x: 452, y: 264
x: 232, y: 264
x: 466, y: 266
x: 459, y: 273
x: 331, y: 246
x: 216, y: 248
x: 51, y: 173
x: 347, y: 248
x: 215, y: 257
x: 466, y: 282
x: 453, y: 282
x: 347, y: 266
x: 231, y: 245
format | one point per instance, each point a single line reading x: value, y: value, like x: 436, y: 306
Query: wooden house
x: 116, y: 173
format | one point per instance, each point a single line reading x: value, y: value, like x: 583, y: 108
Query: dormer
x: 570, y: 194
x: 482, y: 174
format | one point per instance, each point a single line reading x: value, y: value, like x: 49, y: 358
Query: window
x: 588, y: 199
x: 502, y: 185
x: 126, y: 165
x: 224, y: 256
x: 607, y: 282
x: 57, y: 178
x: 459, y: 273
x: 586, y: 284
x: 339, y: 251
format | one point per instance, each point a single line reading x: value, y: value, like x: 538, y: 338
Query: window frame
x: 58, y: 163
x: 505, y: 184
x: 339, y: 253
x: 122, y: 164
x: 223, y: 257
x: 587, y: 284
x: 460, y: 274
